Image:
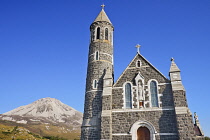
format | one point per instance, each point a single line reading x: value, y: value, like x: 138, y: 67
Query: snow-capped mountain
x: 45, y: 110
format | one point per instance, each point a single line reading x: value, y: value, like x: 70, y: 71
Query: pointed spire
x: 174, y: 67
x: 102, y: 16
x: 175, y: 76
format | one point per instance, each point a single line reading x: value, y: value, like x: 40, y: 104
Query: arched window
x: 128, y: 97
x: 154, y: 94
x: 98, y: 33
x: 106, y: 34
x: 97, y: 56
x: 95, y: 84
x: 138, y: 63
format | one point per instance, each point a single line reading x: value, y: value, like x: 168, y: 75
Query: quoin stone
x: 141, y: 105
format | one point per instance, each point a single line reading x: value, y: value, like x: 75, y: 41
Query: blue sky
x: 44, y: 47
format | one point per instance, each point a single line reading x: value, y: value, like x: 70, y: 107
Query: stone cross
x: 138, y: 46
x: 102, y: 6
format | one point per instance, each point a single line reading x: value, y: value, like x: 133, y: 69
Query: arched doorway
x: 143, y: 133
x: 144, y: 127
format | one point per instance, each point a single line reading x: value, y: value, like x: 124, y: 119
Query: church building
x: 142, y: 104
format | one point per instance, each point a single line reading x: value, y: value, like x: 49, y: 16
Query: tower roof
x: 102, y: 17
x: 174, y: 67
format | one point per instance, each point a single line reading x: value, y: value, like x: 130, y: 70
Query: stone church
x: 141, y: 105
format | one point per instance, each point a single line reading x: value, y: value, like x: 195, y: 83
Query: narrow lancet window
x: 128, y: 97
x: 97, y: 56
x: 98, y: 33
x: 106, y: 34
x: 95, y: 84
x: 154, y: 94
x: 138, y: 63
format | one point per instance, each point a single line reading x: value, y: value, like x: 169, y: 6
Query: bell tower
x: 99, y: 78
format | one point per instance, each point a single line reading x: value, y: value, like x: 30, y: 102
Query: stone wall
x: 92, y: 104
x: 180, y: 99
x: 101, y: 46
x: 157, y: 137
x: 167, y: 96
x: 184, y: 119
x: 127, y: 137
x: 90, y: 133
x: 166, y: 137
x: 106, y: 127
x: 185, y: 126
x: 117, y: 98
x: 106, y: 101
x: 163, y: 121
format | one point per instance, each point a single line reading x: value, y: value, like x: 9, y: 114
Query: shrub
x: 207, y: 138
x: 54, y: 138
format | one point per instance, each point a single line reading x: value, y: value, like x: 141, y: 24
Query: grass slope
x: 36, y: 131
x: 17, y: 133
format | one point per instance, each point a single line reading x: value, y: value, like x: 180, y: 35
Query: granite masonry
x: 141, y: 105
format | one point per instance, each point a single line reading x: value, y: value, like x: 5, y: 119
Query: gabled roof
x: 144, y: 60
x: 151, y: 65
x: 102, y: 17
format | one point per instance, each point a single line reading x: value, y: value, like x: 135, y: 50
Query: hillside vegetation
x: 17, y: 133
x: 13, y: 131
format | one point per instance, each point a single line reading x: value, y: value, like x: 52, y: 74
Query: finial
x: 196, y: 119
x: 195, y: 116
x: 172, y: 59
x: 102, y: 6
x: 138, y: 46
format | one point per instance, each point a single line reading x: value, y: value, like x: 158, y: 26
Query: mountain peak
x: 47, y: 108
x: 48, y: 115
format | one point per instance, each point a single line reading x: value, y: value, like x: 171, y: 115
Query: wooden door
x: 143, y: 133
